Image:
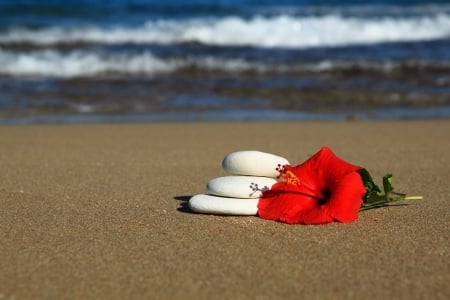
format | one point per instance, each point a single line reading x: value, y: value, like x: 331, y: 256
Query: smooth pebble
x: 208, y: 204
x: 239, y: 186
x: 253, y: 163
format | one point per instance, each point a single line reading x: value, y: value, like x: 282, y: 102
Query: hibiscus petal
x: 292, y: 208
x: 333, y: 169
x: 345, y: 198
x: 313, y: 216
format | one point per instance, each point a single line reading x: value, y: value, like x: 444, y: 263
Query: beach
x: 99, y: 211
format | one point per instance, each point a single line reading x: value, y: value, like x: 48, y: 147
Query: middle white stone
x: 239, y: 186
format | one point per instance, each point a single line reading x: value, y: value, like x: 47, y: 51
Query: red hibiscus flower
x: 321, y: 190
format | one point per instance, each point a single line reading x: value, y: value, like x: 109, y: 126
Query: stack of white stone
x: 252, y: 173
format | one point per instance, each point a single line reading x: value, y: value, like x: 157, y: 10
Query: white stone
x: 254, y: 163
x: 208, y: 204
x: 239, y: 186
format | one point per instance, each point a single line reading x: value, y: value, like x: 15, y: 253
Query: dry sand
x: 99, y: 212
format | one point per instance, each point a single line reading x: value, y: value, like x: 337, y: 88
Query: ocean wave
x: 82, y: 63
x: 282, y: 31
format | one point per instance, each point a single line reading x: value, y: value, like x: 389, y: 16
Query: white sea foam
x: 84, y: 63
x: 78, y: 63
x: 277, y: 31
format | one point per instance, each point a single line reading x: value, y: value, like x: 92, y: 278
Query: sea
x: 84, y: 61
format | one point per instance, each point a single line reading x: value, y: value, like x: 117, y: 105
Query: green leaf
x: 368, y: 182
x: 374, y: 197
x: 387, y: 184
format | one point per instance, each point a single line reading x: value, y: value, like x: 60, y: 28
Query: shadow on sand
x: 184, y: 205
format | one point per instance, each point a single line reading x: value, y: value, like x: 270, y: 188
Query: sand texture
x: 99, y: 212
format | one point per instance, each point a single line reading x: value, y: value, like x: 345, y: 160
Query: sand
x: 99, y: 212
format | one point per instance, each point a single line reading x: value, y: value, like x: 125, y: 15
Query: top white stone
x: 253, y: 163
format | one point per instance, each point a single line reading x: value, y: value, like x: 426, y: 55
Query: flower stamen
x: 287, y: 176
x: 255, y: 188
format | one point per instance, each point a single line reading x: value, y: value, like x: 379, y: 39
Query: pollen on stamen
x: 281, y: 170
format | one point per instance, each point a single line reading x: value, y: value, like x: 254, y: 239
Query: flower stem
x: 413, y: 198
x: 373, y: 205
x: 382, y: 203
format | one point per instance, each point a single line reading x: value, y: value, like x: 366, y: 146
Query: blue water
x: 94, y: 61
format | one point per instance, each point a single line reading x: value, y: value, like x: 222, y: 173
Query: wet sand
x: 99, y: 212
x: 192, y: 94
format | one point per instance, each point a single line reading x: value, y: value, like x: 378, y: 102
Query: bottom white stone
x: 208, y: 204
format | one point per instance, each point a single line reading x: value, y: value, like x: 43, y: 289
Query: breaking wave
x: 84, y: 63
x: 283, y: 31
x: 81, y: 63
